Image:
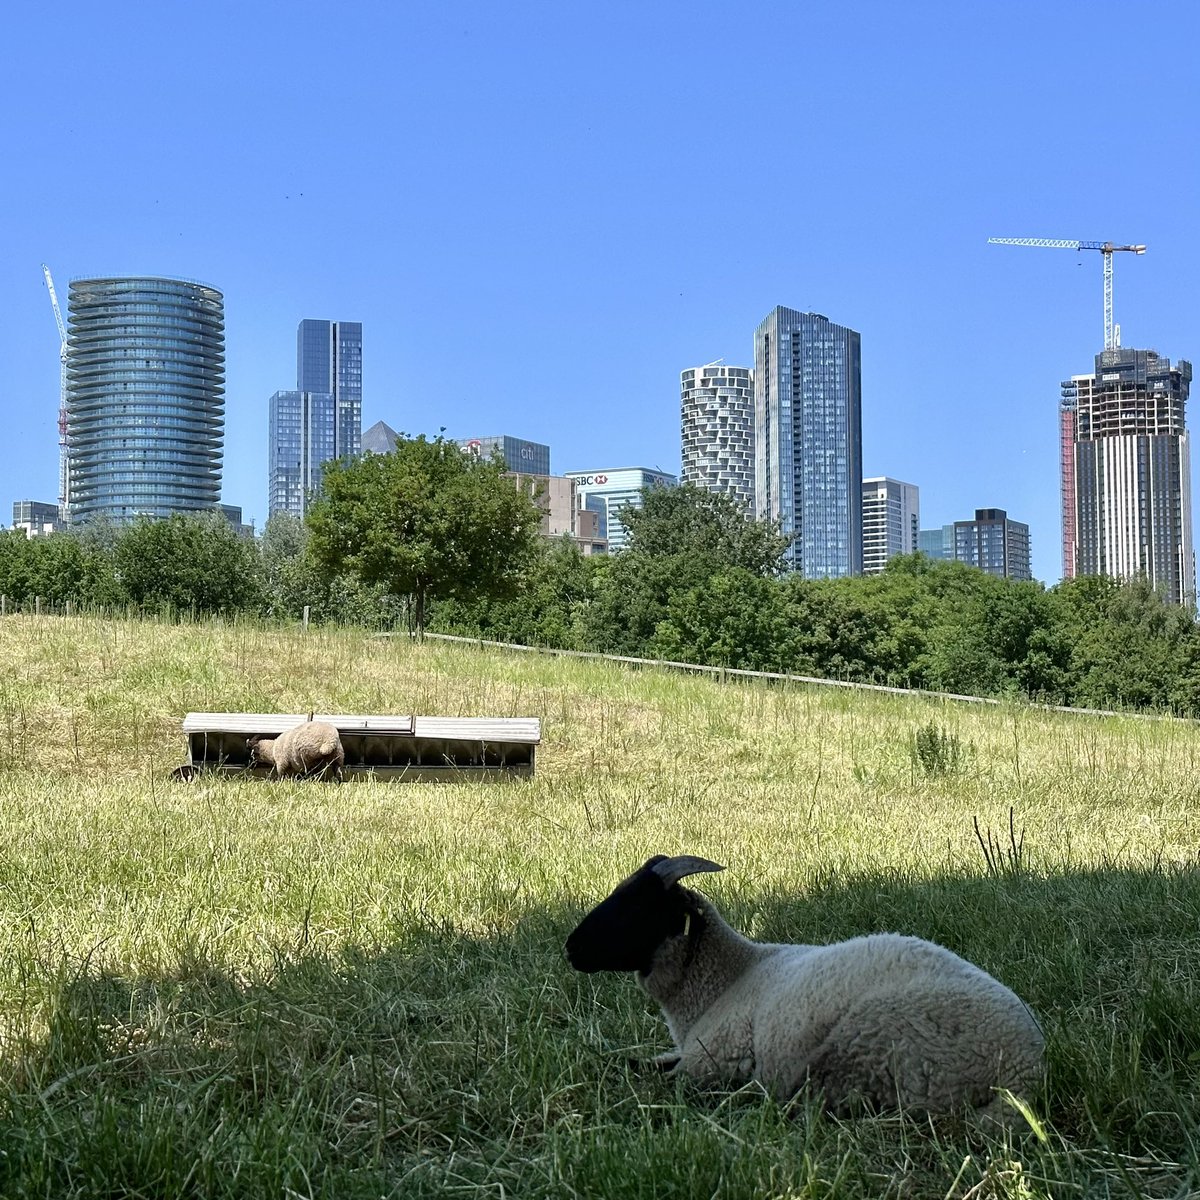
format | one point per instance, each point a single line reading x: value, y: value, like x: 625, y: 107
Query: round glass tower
x: 145, y: 397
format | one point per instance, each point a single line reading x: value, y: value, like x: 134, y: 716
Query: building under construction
x: 1126, y: 472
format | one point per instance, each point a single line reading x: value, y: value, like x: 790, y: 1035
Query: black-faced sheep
x: 312, y: 748
x: 889, y: 1020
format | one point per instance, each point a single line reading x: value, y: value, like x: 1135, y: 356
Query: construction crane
x: 64, y: 456
x: 1111, y: 334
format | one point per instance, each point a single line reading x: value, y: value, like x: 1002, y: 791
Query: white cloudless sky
x: 542, y: 213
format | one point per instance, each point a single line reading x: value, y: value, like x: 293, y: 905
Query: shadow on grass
x: 480, y: 1063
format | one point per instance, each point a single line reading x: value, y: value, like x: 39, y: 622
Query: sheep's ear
x: 672, y: 870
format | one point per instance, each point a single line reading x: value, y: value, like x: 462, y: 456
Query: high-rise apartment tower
x: 994, y: 544
x: 145, y: 397
x: 299, y: 443
x: 329, y: 360
x: 808, y: 439
x: 891, y: 521
x: 717, y: 430
x: 1126, y: 472
x: 321, y: 420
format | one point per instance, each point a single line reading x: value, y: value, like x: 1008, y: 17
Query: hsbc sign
x: 591, y: 480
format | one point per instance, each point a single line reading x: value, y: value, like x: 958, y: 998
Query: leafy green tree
x: 1129, y: 646
x: 16, y: 565
x: 733, y: 619
x: 62, y: 567
x: 290, y: 577
x: 710, y: 526
x: 841, y: 631
x: 630, y: 596
x: 193, y: 562
x: 427, y: 522
x: 545, y: 612
x: 678, y: 541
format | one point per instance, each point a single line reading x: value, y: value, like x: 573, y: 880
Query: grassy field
x: 266, y: 989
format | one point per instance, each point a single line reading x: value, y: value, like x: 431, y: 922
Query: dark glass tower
x: 145, y: 397
x: 808, y: 439
x: 994, y: 544
x: 321, y: 420
x: 329, y: 360
x: 300, y: 443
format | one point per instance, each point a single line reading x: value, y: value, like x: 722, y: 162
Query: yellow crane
x: 1111, y: 335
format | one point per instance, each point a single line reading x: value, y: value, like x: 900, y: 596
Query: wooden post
x: 306, y: 616
x: 3, y: 606
x: 70, y: 607
x: 37, y: 606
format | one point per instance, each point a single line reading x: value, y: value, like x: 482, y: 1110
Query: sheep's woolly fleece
x: 891, y: 1020
x: 305, y: 749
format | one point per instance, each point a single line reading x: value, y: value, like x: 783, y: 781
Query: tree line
x: 427, y: 537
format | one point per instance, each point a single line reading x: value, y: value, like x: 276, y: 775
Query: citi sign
x: 591, y: 480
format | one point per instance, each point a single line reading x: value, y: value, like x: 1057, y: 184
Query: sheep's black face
x: 622, y: 932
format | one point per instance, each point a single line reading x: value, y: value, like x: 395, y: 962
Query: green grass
x: 248, y: 988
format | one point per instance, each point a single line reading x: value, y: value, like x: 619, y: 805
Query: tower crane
x: 1105, y: 248
x: 64, y: 456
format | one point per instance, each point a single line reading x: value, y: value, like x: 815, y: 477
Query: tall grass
x: 251, y: 988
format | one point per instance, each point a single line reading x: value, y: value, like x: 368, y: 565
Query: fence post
x: 70, y: 607
x: 3, y: 605
x: 37, y: 606
x: 306, y: 616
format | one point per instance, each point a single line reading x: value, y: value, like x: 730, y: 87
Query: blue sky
x: 542, y: 213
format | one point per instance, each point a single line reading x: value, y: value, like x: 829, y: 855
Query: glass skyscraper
x: 321, y: 420
x: 527, y: 458
x: 145, y: 397
x: 300, y: 442
x: 937, y: 543
x: 329, y: 359
x: 808, y: 439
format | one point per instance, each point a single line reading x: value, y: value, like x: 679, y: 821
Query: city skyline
x: 547, y: 253
x: 720, y: 387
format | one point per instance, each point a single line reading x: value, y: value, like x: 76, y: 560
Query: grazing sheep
x: 312, y: 748
x: 889, y: 1020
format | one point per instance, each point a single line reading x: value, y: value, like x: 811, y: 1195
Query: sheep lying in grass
x: 885, y: 1020
x: 312, y: 748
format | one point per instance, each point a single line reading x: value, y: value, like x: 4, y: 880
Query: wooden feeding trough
x: 386, y: 747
